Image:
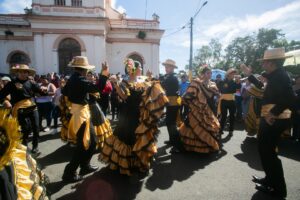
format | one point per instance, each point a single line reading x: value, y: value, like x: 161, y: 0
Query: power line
x: 146, y: 7
x: 183, y: 27
x: 199, y: 4
x: 200, y: 9
x: 188, y: 23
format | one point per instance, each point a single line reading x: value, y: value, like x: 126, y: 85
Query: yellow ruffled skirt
x: 29, y: 179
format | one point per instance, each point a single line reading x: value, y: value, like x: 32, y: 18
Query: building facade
x: 49, y: 34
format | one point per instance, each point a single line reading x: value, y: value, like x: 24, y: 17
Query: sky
x: 221, y: 19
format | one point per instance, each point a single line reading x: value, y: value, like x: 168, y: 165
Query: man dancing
x: 278, y: 98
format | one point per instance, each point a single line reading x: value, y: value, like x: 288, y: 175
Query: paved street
x: 224, y: 176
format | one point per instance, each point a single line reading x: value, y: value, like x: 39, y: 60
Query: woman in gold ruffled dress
x: 252, y: 117
x: 132, y: 146
x: 200, y: 130
x: 20, y: 178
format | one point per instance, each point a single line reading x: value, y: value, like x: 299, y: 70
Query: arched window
x: 68, y: 48
x: 139, y: 58
x: 18, y: 58
x: 77, y: 3
x: 60, y: 2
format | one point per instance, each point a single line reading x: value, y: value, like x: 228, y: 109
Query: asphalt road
x: 183, y: 176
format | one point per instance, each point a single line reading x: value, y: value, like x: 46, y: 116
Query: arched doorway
x: 18, y: 57
x: 137, y: 57
x: 67, y: 49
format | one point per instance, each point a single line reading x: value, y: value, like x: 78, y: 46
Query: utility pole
x: 191, y: 42
x: 191, y: 51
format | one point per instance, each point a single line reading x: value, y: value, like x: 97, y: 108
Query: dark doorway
x: 68, y: 48
x: 18, y: 58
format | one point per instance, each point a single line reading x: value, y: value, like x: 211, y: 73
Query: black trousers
x: 238, y: 103
x: 81, y: 157
x: 115, y: 107
x: 29, y: 121
x: 104, y: 103
x: 171, y: 116
x: 225, y: 106
x: 56, y: 114
x: 45, y: 110
x: 268, y: 138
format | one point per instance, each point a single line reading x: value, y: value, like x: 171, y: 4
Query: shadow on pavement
x: 250, y: 153
x: 107, y: 185
x: 262, y: 196
x: 289, y: 149
x: 49, y: 136
x: 60, y: 155
x: 55, y: 187
x: 181, y: 167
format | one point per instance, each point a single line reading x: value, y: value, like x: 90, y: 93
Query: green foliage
x: 240, y: 50
x: 209, y: 54
x: 245, y: 49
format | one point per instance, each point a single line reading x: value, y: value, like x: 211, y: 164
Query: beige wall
x: 101, y: 39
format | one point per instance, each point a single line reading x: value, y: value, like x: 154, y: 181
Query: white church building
x: 50, y: 33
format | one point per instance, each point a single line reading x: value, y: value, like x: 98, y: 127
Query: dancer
x: 20, y: 178
x: 226, y: 102
x: 170, y: 84
x: 22, y: 91
x: 80, y: 128
x: 252, y: 117
x: 278, y: 98
x: 255, y: 92
x: 200, y: 130
x: 132, y: 145
x: 100, y: 123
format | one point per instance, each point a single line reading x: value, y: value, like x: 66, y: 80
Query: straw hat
x: 230, y: 71
x: 274, y: 54
x: 22, y: 67
x: 81, y: 62
x: 169, y: 62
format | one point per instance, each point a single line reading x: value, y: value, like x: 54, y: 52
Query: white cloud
x: 286, y: 18
x: 14, y: 6
x: 119, y: 8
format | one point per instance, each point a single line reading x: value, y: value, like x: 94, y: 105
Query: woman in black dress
x: 132, y: 145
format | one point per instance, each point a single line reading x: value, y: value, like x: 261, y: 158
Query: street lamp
x: 191, y: 41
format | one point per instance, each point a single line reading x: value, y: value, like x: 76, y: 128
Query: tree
x: 216, y: 48
x: 204, y: 55
x: 252, y: 47
x: 240, y: 50
x: 293, y: 45
x: 209, y: 54
x: 245, y: 49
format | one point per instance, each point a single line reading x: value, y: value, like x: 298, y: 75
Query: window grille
x: 77, y: 3
x: 60, y: 2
